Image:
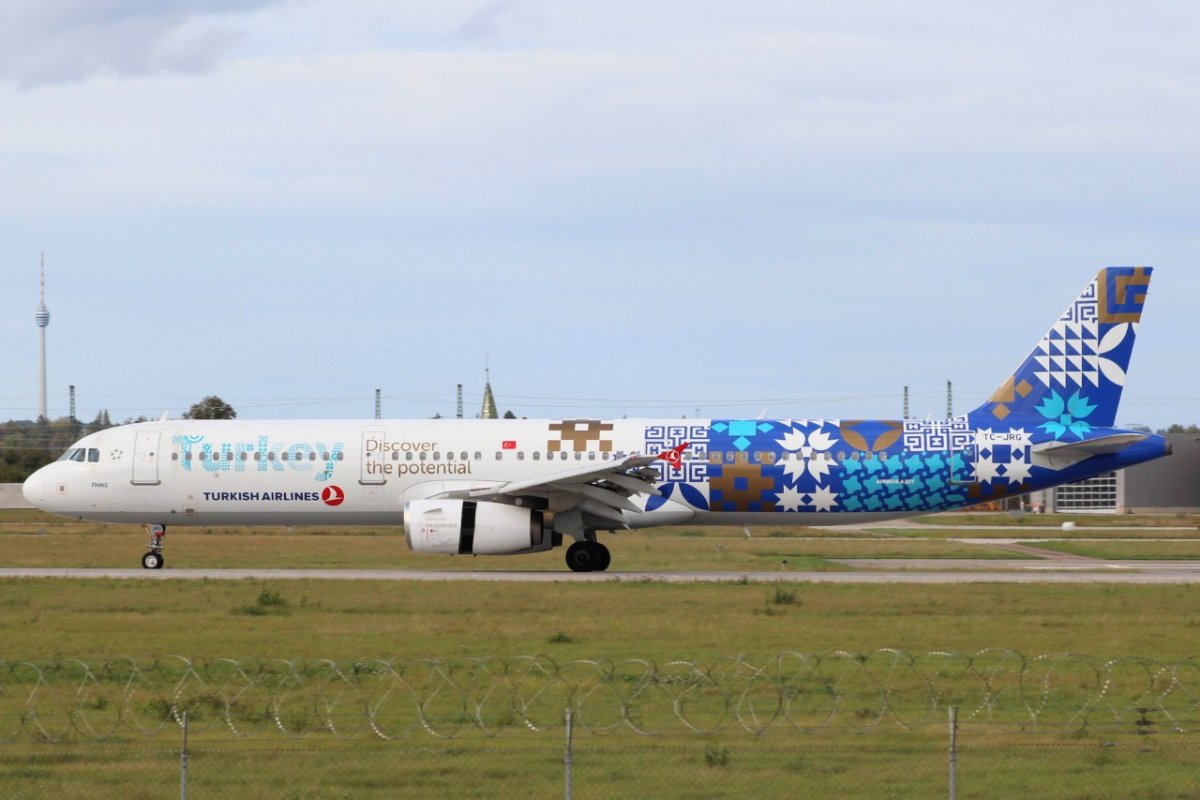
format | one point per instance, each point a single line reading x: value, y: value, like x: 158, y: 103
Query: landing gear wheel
x: 588, y: 557
x: 154, y: 558
x: 603, y: 557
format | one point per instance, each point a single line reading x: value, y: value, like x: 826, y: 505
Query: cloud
x: 482, y: 25
x: 66, y: 41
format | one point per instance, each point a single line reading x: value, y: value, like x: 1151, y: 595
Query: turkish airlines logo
x: 674, y: 456
x: 333, y: 496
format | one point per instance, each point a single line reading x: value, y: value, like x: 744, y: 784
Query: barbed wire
x: 398, y: 699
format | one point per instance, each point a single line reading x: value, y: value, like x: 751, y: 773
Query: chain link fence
x: 860, y: 725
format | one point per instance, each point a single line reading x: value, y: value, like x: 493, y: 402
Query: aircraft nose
x: 34, y: 489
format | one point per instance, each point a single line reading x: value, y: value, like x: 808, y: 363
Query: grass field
x: 51, y: 621
x: 1181, y: 523
x: 55, y: 618
x: 1123, y: 550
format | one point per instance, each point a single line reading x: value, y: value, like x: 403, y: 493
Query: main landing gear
x: 588, y: 557
x: 154, y: 558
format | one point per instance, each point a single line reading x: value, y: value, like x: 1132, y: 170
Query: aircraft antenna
x: 906, y: 402
x: 378, y: 405
x: 949, y: 400
x: 460, y: 407
x: 72, y: 390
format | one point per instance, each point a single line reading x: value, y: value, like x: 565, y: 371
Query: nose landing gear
x: 154, y: 558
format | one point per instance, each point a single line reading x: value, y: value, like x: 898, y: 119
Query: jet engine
x: 468, y: 527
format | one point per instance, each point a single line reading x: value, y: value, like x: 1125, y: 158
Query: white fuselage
x: 316, y: 472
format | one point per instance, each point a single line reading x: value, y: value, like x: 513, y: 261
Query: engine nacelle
x: 468, y: 527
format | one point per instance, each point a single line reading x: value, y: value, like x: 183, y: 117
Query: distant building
x: 1165, y: 485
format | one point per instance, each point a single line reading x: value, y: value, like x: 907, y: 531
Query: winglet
x: 1079, y: 365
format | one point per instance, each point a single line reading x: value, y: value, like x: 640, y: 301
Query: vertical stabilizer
x: 1075, y: 373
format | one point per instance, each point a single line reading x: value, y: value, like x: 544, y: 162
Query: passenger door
x: 145, y: 458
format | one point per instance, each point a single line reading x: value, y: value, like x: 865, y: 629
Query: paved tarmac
x: 891, y: 570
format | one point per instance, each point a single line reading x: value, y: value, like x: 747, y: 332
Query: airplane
x: 496, y: 487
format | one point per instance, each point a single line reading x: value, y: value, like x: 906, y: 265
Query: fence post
x: 953, y: 753
x: 567, y: 756
x: 183, y: 758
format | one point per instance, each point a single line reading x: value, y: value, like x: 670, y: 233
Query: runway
x: 892, y: 570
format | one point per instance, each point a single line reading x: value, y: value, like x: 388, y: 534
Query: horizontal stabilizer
x: 1064, y: 454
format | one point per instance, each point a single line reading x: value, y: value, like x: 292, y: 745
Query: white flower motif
x: 811, y: 448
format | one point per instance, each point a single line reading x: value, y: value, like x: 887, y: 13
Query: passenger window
x: 341, y: 457
x: 450, y: 456
x: 408, y: 456
x: 395, y: 455
x: 537, y: 455
x: 423, y: 455
x: 758, y: 457
x: 499, y: 455
x: 743, y: 458
x: 174, y: 456
x: 579, y: 456
x: 521, y: 455
x: 591, y: 455
x: 563, y: 455
x: 478, y: 455
x: 311, y: 456
x: 271, y: 456
x: 463, y: 455
x: 606, y: 455
x: 283, y: 456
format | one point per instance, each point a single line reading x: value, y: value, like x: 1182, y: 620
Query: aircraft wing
x: 601, y: 490
x: 1064, y: 454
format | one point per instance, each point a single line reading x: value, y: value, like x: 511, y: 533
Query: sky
x: 655, y: 208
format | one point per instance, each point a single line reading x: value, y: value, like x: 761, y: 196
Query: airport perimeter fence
x: 886, y: 724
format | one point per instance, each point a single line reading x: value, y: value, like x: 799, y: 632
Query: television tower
x: 42, y: 318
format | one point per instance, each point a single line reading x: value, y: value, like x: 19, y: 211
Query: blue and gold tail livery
x: 1077, y: 370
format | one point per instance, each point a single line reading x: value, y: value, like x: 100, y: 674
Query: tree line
x: 26, y: 445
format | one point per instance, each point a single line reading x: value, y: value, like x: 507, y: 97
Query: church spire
x: 489, y: 401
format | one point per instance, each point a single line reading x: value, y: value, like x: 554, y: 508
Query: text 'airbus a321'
x: 495, y: 487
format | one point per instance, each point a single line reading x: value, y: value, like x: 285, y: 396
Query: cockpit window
x: 81, y: 454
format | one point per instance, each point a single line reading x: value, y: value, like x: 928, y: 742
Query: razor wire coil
x: 403, y: 698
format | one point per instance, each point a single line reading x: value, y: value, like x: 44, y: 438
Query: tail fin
x: 1078, y: 367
